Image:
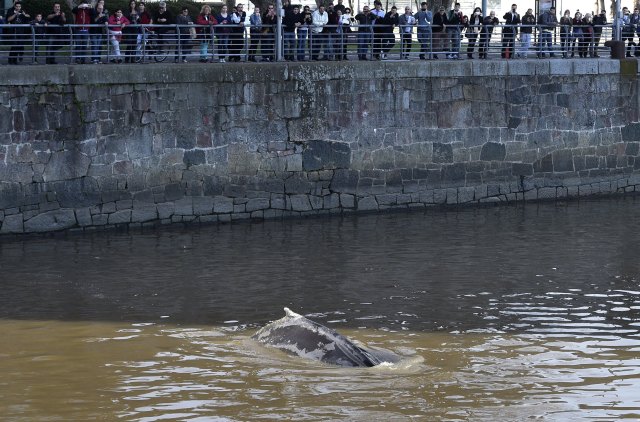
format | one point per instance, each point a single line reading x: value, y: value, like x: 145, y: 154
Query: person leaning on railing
x: 206, y: 21
x: 39, y: 32
x: 130, y: 32
x: 488, y: 23
x: 163, y: 21
x: 576, y: 36
x: 183, y: 46
x: 269, y: 22
x: 99, y: 18
x: 440, y: 22
x: 318, y: 37
x: 599, y: 22
x: 56, y: 21
x: 20, y: 35
x: 378, y: 28
x: 424, y: 19
x: 389, y: 22
x: 236, y: 36
x: 406, y: 23
x: 473, y: 30
x: 117, y: 22
x: 365, y: 21
x: 565, y: 33
x: 303, y: 32
x: 456, y: 23
x: 634, y: 22
x: 587, y: 36
x: 510, y: 31
x: 82, y: 18
x: 526, y: 31
x: 343, y: 28
x: 548, y: 22
x: 292, y: 20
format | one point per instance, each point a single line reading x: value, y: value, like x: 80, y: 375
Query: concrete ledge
x: 254, y: 72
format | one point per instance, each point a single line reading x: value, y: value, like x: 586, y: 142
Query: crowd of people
x: 321, y: 34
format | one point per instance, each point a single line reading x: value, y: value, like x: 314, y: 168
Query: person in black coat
x: 440, y: 20
x: 510, y: 31
x: 488, y: 23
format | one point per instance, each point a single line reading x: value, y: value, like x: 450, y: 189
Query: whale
x: 298, y: 335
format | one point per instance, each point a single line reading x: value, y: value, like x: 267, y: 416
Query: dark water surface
x: 510, y: 312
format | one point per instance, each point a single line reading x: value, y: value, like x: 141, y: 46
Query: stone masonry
x: 84, y: 147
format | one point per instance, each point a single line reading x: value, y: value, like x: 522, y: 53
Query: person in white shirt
x: 406, y: 23
x: 319, y: 19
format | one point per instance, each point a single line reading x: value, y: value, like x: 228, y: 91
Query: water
x: 504, y: 313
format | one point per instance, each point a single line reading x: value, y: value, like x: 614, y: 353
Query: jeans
x: 223, y: 45
x: 454, y: 39
x: 525, y: 44
x: 81, y: 39
x: 545, y: 40
x: 424, y: 38
x: 302, y: 43
x: 96, y: 46
x: 289, y: 45
x: 364, y: 41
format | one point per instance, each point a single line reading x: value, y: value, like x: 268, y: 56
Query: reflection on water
x: 501, y: 314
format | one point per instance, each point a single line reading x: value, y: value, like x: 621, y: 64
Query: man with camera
x: 55, y: 28
x: 17, y: 16
x: 82, y: 17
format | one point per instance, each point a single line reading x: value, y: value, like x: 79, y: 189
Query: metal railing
x: 156, y: 43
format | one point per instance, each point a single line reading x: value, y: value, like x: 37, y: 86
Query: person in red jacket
x: 205, y: 31
x: 82, y: 16
x: 117, y: 22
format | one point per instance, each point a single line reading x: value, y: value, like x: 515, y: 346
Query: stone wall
x: 86, y: 147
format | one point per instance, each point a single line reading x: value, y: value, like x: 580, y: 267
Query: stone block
x: 547, y: 193
x: 440, y: 196
x: 322, y: 155
x: 331, y: 201
x: 194, y: 157
x: 493, y: 151
x: 257, y: 204
x: 520, y: 68
x: 561, y: 67
x: 12, y: 224
x: 345, y: 181
x: 222, y: 205
x: 389, y: 199
x: 585, y: 67
x: 120, y: 217
x: 55, y: 220
x: 316, y: 202
x: 100, y: 219
x: 299, y: 203
x: 608, y: 67
x: 489, y: 67
x: 202, y: 205
x: 563, y: 160
x: 184, y: 206
x: 347, y: 200
x: 146, y: 213
x: 65, y: 165
x: 165, y: 210
x: 367, y: 203
x: 466, y: 194
x: 83, y: 217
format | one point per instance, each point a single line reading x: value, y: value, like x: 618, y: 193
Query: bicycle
x: 152, y: 47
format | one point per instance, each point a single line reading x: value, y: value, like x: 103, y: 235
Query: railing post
x: 278, y: 34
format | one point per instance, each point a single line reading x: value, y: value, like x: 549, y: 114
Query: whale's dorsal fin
x: 291, y: 314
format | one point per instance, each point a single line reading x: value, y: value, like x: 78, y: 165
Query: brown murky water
x: 500, y: 314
